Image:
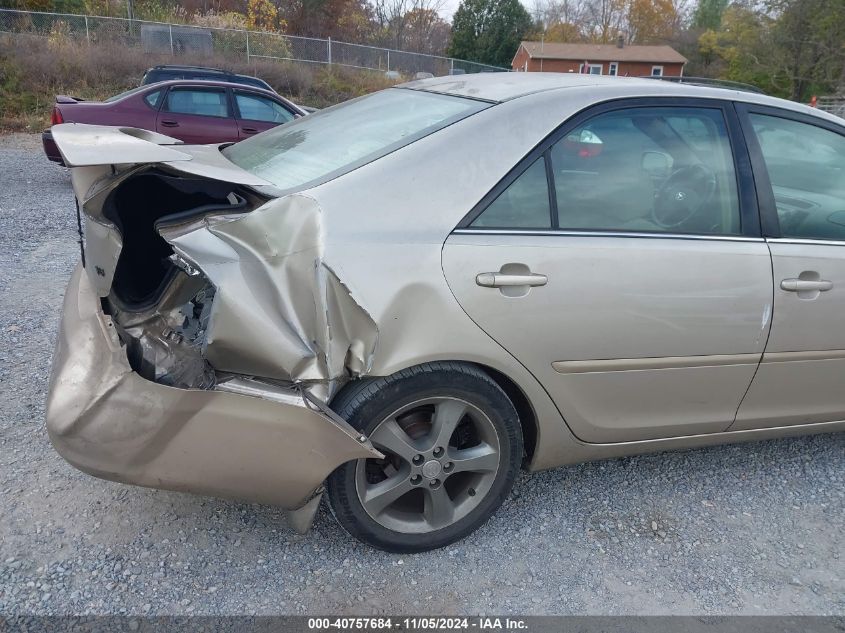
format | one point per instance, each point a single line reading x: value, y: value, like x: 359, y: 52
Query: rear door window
x: 661, y: 169
x: 199, y: 101
x: 806, y: 166
x: 655, y: 169
x: 524, y: 204
x: 259, y: 108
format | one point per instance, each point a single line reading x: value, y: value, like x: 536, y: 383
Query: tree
x: 809, y: 36
x: 488, y: 31
x: 708, y: 46
x: 650, y: 20
x: 57, y: 6
x: 262, y: 15
x: 708, y: 14
x: 549, y: 13
x: 607, y: 19
x: 563, y: 32
x: 405, y: 24
x: 426, y: 32
x: 348, y: 20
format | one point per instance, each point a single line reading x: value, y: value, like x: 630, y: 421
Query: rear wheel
x: 452, y: 444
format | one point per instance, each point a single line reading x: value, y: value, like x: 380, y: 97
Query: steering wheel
x: 683, y: 195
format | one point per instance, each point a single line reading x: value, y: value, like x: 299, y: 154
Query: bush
x: 34, y: 69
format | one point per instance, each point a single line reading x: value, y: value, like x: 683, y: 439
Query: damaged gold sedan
x: 400, y: 300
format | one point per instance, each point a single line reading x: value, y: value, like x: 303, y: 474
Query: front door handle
x: 505, y: 280
x: 803, y: 285
x: 249, y: 130
x: 169, y: 123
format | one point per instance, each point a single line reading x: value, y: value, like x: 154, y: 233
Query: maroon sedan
x: 195, y: 112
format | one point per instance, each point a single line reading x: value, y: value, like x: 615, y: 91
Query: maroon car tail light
x: 56, y: 116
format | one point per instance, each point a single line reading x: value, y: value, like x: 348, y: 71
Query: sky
x: 448, y: 9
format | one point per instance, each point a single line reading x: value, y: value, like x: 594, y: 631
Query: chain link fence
x: 833, y: 104
x: 233, y: 44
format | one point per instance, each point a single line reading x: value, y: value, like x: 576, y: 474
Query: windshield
x: 325, y: 144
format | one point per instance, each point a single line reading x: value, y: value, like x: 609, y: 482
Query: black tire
x: 365, y: 404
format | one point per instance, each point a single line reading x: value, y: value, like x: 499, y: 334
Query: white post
x: 388, y: 59
x: 170, y: 29
x: 451, y: 66
x: 329, y: 42
x: 87, y: 35
x: 247, y: 47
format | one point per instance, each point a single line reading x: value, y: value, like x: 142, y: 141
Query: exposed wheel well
x: 527, y: 417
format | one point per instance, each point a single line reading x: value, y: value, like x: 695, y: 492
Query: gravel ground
x: 748, y: 529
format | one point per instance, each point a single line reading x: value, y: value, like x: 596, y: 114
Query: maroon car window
x: 258, y: 108
x: 203, y: 102
x: 123, y: 95
x: 152, y: 99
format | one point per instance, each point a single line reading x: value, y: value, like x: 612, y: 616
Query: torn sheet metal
x: 279, y: 311
x: 267, y: 445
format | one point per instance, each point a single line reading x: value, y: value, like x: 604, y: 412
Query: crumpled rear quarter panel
x: 110, y: 422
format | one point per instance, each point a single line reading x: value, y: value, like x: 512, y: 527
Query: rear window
x: 125, y: 94
x: 323, y: 145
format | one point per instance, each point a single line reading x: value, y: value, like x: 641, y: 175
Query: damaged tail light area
x: 213, y: 282
x: 160, y: 303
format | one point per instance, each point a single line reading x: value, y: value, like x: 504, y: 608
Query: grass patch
x: 34, y: 69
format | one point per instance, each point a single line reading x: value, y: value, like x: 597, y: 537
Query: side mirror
x: 656, y: 164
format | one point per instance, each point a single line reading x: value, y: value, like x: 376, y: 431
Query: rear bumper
x: 108, y: 421
x: 50, y: 147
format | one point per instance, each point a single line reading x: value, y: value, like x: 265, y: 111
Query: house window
x: 613, y: 68
x: 657, y: 71
x: 594, y: 69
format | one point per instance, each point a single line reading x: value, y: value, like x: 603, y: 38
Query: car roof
x: 212, y: 82
x: 504, y: 86
x: 222, y: 84
x: 499, y: 87
x: 181, y: 67
x: 203, y: 70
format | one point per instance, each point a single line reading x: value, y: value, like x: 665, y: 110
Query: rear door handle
x: 801, y: 285
x: 503, y: 280
x: 169, y: 123
x: 249, y: 130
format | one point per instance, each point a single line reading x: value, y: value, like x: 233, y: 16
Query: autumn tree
x: 404, y: 24
x: 349, y: 20
x: 262, y: 15
x: 650, y: 21
x: 488, y: 31
x: 426, y: 32
x: 563, y: 32
x: 708, y: 46
x: 57, y: 6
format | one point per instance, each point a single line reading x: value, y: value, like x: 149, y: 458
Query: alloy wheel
x: 441, y: 458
